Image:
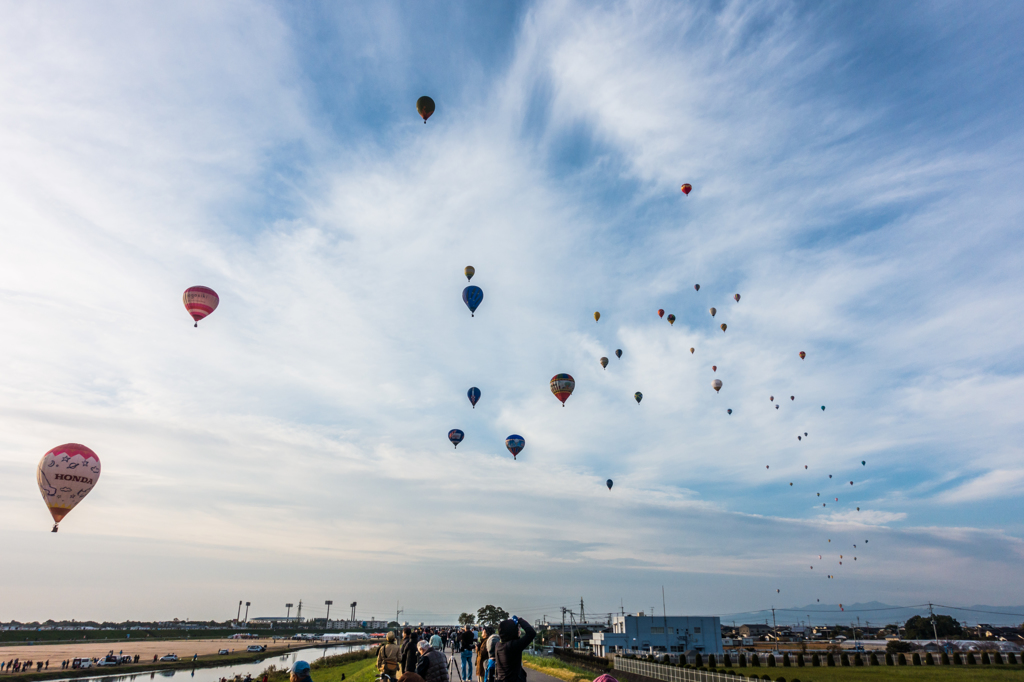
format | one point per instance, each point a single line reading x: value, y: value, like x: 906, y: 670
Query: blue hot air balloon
x: 474, y: 395
x: 472, y: 296
x: 456, y: 436
x: 609, y: 483
x: 515, y: 444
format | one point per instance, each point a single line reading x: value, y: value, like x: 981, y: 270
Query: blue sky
x: 856, y: 173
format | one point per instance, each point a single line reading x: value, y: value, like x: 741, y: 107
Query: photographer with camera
x: 508, y: 653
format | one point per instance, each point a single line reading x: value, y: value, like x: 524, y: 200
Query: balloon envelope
x: 696, y: 287
x: 65, y: 475
x: 200, y: 302
x: 686, y: 187
x: 717, y: 385
x: 661, y: 313
x: 597, y: 316
x: 691, y: 351
x: 803, y: 355
x: 562, y: 385
x: 604, y: 362
x: 822, y: 408
x: 723, y: 326
x: 638, y: 396
x: 474, y: 395
x: 472, y: 296
x: 736, y: 297
x: 729, y: 411
x: 470, y: 271
x: 425, y: 107
x: 456, y: 436
x: 618, y: 353
x: 609, y: 483
x: 671, y: 318
x: 714, y: 368
x: 713, y: 311
x: 515, y: 444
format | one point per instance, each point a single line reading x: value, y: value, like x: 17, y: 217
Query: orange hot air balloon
x: 714, y: 368
x: 724, y: 326
x: 671, y: 318
x: 200, y: 302
x: 597, y: 317
x: 686, y: 188
x: 661, y: 313
x: 803, y: 355
x: 713, y: 311
x: 562, y: 385
x: 65, y: 476
x: 736, y: 297
x: 691, y: 351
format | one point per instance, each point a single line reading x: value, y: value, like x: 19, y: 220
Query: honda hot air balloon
x: 200, y: 302
x: 425, y: 107
x: 456, y: 436
x: 686, y: 188
x: 609, y: 483
x: 562, y: 385
x: 671, y: 318
x: 604, y: 362
x: 65, y: 475
x: 638, y: 396
x: 470, y: 271
x: 474, y: 395
x: 597, y: 317
x: 618, y: 353
x: 661, y: 313
x: 717, y: 385
x: 515, y: 444
x: 473, y: 297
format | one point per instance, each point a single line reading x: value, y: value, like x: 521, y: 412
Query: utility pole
x: 239, y: 615
x: 583, y: 618
x: 398, y: 611
x: 563, y: 627
x: 664, y: 618
x: 935, y: 630
x: 775, y: 630
x: 247, y: 612
x: 289, y: 613
x: 298, y: 616
x: 622, y: 608
x: 329, y: 602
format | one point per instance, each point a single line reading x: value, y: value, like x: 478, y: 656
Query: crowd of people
x: 484, y: 654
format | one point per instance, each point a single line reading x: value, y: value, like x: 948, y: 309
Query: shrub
x: 957, y: 659
x: 873, y: 659
x: 857, y: 660
x: 844, y: 660
x: 929, y: 659
x: 916, y: 660
x: 888, y: 658
x: 731, y: 672
x: 997, y: 657
x: 771, y: 660
x: 799, y: 660
x: 985, y: 658
x: 742, y: 662
x: 698, y: 659
x: 1011, y: 658
x: 815, y: 660
x: 944, y: 658
x: 970, y: 659
x: 902, y: 660
x: 755, y: 660
x: 785, y: 660
x: 830, y: 660
x: 898, y: 647
x: 780, y: 679
x: 711, y: 660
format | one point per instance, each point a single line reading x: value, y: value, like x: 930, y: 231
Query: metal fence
x: 668, y: 673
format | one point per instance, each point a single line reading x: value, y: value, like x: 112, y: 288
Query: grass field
x: 556, y: 668
x: 364, y: 670
x: 988, y: 673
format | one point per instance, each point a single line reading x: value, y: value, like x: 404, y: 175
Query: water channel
x: 281, y: 659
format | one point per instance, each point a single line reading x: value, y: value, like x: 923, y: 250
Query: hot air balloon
x: 792, y: 397
x: 765, y: 466
x: 562, y: 386
x: 791, y: 484
x: 618, y: 353
x: 819, y: 494
x: 597, y: 317
x: 661, y: 312
x: 858, y: 509
x: 686, y: 188
x: 736, y: 297
x: 723, y: 326
x: 851, y: 482
x: 822, y: 408
x: 473, y: 297
x: 638, y: 396
x: 456, y: 436
x: 474, y: 395
x: 863, y: 463
x: 671, y: 318
x: 200, y: 302
x: 65, y: 476
x: 691, y: 351
x: 805, y: 466
x: 803, y: 355
x: 604, y: 362
x: 717, y: 385
x: 713, y: 311
x: 729, y: 411
x: 799, y: 438
x: 515, y: 444
x: 830, y: 475
x: 714, y: 368
x: 609, y: 483
x: 470, y: 271
x: 771, y: 398
x: 425, y: 107
x: 805, y: 434
x: 696, y: 287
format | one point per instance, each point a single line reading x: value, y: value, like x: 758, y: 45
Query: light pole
x: 328, y: 602
x: 247, y: 612
x: 239, y: 614
x: 289, y: 613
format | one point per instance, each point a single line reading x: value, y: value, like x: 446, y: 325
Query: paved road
x: 531, y: 674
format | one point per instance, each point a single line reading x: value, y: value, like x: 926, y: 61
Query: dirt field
x: 146, y: 649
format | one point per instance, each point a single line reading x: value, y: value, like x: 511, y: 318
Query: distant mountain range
x: 876, y: 614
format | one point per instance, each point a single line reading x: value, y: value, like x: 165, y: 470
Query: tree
x: 466, y: 619
x: 491, y: 615
x: 896, y: 646
x: 920, y: 627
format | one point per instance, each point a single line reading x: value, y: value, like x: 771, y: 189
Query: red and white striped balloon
x: 200, y: 302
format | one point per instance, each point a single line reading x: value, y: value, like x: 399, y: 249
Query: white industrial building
x: 671, y: 634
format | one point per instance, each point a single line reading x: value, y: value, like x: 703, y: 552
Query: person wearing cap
x: 508, y: 654
x: 389, y: 656
x: 300, y: 672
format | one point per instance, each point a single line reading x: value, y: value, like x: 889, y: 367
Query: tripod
x: 454, y: 662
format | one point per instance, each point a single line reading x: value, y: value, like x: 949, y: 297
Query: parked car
x: 108, y: 660
x: 223, y: 652
x: 255, y: 648
x: 81, y: 663
x: 126, y: 659
x: 169, y: 657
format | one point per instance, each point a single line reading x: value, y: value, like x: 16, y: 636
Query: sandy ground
x: 146, y: 649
